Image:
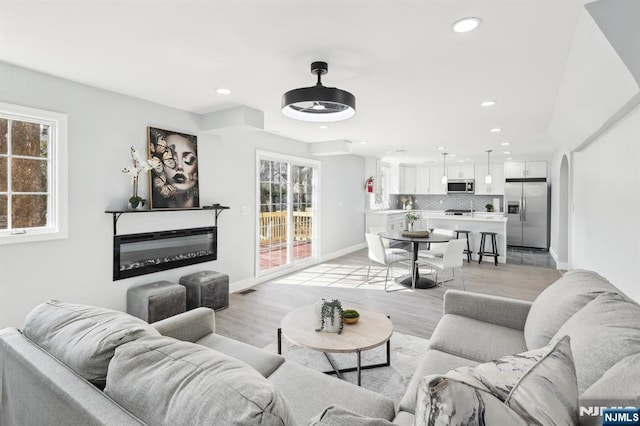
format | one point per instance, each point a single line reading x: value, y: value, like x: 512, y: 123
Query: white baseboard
x: 343, y: 252
x: 242, y: 285
x: 559, y: 265
x: 237, y: 286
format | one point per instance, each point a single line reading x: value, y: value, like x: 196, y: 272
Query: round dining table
x: 415, y: 280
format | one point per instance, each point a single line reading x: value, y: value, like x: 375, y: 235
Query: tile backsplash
x: 450, y: 201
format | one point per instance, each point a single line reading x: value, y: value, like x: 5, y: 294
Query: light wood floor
x: 254, y: 317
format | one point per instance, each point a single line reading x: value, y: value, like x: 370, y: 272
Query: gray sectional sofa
x: 603, y: 325
x: 167, y: 373
x: 61, y: 369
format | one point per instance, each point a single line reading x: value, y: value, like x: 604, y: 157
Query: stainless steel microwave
x: 461, y: 186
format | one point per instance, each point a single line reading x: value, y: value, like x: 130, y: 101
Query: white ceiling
x: 418, y: 85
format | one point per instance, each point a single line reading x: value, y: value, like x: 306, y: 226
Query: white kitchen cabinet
x: 394, y: 179
x: 525, y: 170
x: 496, y: 187
x: 390, y: 221
x: 422, y: 180
x: 407, y: 179
x: 536, y: 169
x: 435, y: 181
x: 395, y: 222
x: 461, y: 171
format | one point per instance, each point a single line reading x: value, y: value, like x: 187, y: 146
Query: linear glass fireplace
x: 139, y: 254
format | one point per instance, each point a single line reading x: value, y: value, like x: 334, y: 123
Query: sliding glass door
x: 286, y: 211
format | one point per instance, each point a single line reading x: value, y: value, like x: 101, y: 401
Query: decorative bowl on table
x: 350, y: 316
x: 415, y: 234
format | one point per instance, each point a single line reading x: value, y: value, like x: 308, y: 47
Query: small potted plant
x: 350, y: 316
x: 411, y: 217
x: 138, y: 166
x: 331, y: 316
x: 489, y: 207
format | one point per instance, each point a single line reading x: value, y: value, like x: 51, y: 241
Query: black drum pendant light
x: 319, y: 103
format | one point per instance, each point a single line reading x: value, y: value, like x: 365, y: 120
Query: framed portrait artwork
x: 174, y: 176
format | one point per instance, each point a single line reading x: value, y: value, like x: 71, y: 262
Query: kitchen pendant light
x: 318, y: 103
x: 488, y: 178
x: 444, y: 167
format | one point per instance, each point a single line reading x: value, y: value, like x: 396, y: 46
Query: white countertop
x: 439, y: 214
x: 472, y: 219
x: 388, y: 212
x: 385, y: 212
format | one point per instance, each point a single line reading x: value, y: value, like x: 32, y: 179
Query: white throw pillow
x: 534, y: 387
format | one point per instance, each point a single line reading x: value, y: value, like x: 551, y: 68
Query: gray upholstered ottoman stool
x: 156, y: 301
x: 206, y: 288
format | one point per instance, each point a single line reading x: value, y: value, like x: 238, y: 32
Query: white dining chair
x: 385, y: 256
x: 436, y: 249
x: 377, y: 230
x: 451, y: 259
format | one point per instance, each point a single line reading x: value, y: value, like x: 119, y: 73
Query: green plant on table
x: 412, y: 216
x: 489, y: 207
x: 329, y: 310
x: 350, y: 313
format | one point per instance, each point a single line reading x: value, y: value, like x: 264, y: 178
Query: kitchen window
x: 33, y: 186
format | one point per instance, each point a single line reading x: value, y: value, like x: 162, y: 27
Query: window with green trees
x: 28, y: 202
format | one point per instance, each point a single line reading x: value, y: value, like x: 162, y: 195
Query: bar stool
x: 467, y: 251
x: 494, y: 247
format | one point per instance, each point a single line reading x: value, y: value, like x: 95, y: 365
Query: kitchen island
x: 475, y: 224
x: 393, y: 221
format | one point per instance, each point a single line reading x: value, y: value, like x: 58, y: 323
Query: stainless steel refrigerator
x: 527, y: 206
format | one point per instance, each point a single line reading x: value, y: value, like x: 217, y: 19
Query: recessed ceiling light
x: 363, y: 142
x: 440, y: 148
x: 324, y: 126
x: 452, y: 155
x: 487, y: 103
x: 465, y: 25
x: 389, y: 152
x: 222, y: 91
x: 509, y: 158
x: 507, y: 152
x: 460, y: 161
x: 505, y: 144
x: 495, y: 130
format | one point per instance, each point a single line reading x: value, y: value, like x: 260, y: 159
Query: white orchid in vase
x: 139, y: 167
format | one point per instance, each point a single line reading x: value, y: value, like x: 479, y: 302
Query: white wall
x: 102, y: 126
x: 342, y: 203
x: 596, y: 84
x: 606, y: 203
x: 596, y: 122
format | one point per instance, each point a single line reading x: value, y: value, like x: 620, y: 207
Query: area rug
x: 391, y: 381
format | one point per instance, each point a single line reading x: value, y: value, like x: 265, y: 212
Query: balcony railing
x: 274, y: 225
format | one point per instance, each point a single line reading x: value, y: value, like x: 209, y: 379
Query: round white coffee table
x: 372, y: 330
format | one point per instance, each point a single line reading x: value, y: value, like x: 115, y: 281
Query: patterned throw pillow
x: 537, y: 387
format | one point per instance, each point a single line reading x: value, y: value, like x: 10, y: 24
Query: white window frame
x: 58, y: 207
x: 299, y: 161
